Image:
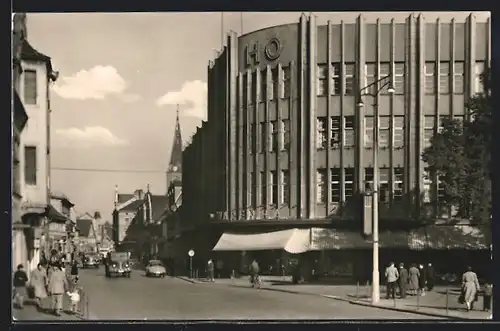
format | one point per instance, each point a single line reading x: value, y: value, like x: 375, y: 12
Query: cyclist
x: 254, y: 272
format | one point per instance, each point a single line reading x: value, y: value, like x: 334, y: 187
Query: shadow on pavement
x: 437, y: 307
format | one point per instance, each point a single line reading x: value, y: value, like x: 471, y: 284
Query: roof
x: 84, y: 226
x: 108, y: 230
x: 55, y: 215
x: 31, y: 54
x: 122, y: 198
x: 159, y: 203
x: 176, y: 153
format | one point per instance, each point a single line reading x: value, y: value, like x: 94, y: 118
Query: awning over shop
x: 55, y: 215
x: 294, y: 241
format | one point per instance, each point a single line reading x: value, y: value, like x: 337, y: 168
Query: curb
x: 192, y: 281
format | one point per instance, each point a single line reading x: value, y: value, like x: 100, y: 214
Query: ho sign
x: 272, y: 51
x: 191, y: 253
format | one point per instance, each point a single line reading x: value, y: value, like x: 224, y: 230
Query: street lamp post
x: 385, y: 82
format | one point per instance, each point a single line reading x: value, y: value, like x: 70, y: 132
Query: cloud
x: 193, y: 94
x: 87, y: 137
x: 96, y: 83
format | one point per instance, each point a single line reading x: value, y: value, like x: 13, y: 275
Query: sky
x: 121, y: 77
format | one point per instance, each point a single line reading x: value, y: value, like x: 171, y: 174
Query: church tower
x: 174, y: 172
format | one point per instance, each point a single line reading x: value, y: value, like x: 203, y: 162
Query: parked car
x: 155, y: 268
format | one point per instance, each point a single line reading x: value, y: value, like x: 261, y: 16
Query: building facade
x: 60, y: 226
x: 286, y: 142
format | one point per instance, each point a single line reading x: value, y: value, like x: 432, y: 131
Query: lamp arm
x: 376, y: 83
x: 382, y: 87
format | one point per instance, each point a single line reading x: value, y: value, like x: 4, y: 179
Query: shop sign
x: 272, y: 51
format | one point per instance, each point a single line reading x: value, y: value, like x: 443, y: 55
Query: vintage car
x: 90, y: 261
x: 155, y: 268
x: 118, y: 264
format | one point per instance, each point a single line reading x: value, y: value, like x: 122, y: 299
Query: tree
x: 460, y: 154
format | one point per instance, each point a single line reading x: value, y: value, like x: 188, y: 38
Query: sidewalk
x: 31, y: 313
x: 432, y: 304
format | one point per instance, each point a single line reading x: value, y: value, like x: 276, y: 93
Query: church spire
x: 176, y: 153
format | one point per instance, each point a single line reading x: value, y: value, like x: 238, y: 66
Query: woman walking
x: 39, y: 283
x: 58, y: 284
x: 414, y: 279
x: 470, y: 287
x: 422, y: 280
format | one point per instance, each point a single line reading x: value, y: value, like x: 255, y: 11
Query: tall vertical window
x: 349, y: 76
x: 322, y: 87
x: 384, y: 185
x: 335, y: 185
x: 274, y: 187
x: 430, y: 80
x: 253, y: 188
x: 254, y: 88
x: 369, y: 122
x: 274, y: 136
x: 427, y: 187
x: 285, y: 187
x: 479, y: 68
x: 349, y: 131
x: 253, y: 138
x: 263, y: 189
x: 16, y: 166
x: 244, y: 90
x: 369, y: 179
x: 399, y: 78
x: 335, y: 79
x: 440, y: 188
x: 321, y: 128
x: 276, y: 82
x: 384, y: 135
x: 348, y: 182
x: 458, y: 77
x: 442, y: 120
x: 399, y: 131
x: 459, y: 118
x: 444, y: 77
x: 286, y: 133
x: 30, y: 84
x: 429, y: 124
x: 30, y: 165
x: 263, y: 85
x: 321, y: 186
x: 263, y: 134
x: 371, y: 77
x: 335, y: 132
x: 286, y: 84
x: 385, y: 70
x: 398, y: 184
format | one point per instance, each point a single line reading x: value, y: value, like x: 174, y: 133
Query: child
x: 488, y: 292
x: 74, y: 297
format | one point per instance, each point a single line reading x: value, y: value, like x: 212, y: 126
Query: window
x: 478, y: 71
x: 348, y: 182
x: 30, y: 165
x: 442, y: 120
x: 369, y: 122
x: 245, y: 90
x: 430, y: 81
x: 274, y: 187
x: 274, y: 136
x: 286, y: 84
x: 285, y: 187
x: 429, y: 123
x: 253, y: 99
x: 349, y: 131
x: 335, y: 185
x: 440, y: 188
x: 371, y: 77
x: 263, y: 189
x: 384, y: 134
x: 459, y: 118
x: 399, y: 131
x: 384, y: 185
x: 399, y: 78
x: 398, y: 184
x: 253, y: 138
x: 263, y: 85
x: 321, y: 125
x: 427, y: 187
x: 286, y: 134
x: 16, y: 166
x: 335, y: 132
x: 30, y: 90
x: 263, y: 134
x: 349, y: 76
x: 321, y: 186
x: 369, y: 179
x: 444, y: 77
x: 458, y: 77
x: 335, y: 81
x: 385, y: 70
x: 275, y: 81
x: 253, y: 188
x: 322, y: 79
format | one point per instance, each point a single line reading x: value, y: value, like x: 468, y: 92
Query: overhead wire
x: 108, y: 170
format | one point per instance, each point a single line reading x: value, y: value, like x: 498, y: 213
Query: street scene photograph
x: 251, y: 166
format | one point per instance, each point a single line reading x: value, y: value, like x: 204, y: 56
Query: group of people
x: 47, y: 280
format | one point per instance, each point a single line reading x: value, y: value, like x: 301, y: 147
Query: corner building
x: 286, y: 145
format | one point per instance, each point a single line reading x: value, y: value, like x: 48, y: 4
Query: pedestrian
x: 39, y: 283
x: 391, y: 276
x: 74, y: 271
x: 422, y: 281
x: 74, y: 298
x: 20, y: 279
x: 487, y: 293
x: 414, y: 279
x: 57, y: 286
x: 430, y: 277
x: 470, y: 287
x: 210, y: 269
x: 403, y: 280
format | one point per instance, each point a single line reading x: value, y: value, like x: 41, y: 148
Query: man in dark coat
x: 430, y: 276
x: 403, y: 280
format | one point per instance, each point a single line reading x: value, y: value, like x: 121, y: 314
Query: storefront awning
x: 294, y: 241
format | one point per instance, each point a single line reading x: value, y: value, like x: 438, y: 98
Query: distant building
x: 174, y: 171
x: 60, y: 228
x: 87, y: 235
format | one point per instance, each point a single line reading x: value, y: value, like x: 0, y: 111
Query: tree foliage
x: 460, y: 154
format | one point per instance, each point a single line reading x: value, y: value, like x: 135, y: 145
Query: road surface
x: 141, y: 298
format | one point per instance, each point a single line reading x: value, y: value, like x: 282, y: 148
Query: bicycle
x: 256, y: 281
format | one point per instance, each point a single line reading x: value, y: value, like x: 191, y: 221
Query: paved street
x: 174, y: 299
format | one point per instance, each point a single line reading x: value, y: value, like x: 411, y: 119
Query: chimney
x: 139, y: 194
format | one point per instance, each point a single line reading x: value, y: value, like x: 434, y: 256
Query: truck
x: 118, y: 264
